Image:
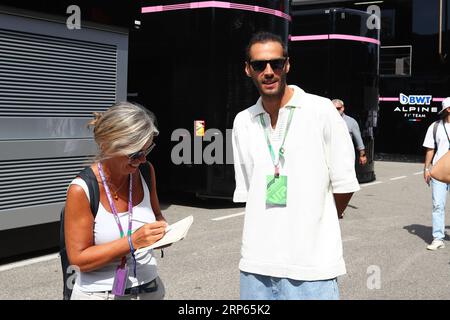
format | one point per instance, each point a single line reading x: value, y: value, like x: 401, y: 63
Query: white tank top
x: 106, y: 230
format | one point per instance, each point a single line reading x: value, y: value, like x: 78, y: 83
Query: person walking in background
x: 294, y: 168
x: 353, y: 128
x: 437, y: 144
x: 102, y: 244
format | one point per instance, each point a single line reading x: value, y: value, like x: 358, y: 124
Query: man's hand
x: 341, y: 200
x: 427, y: 176
x: 429, y: 154
x: 362, y: 159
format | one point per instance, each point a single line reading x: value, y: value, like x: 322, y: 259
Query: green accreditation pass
x: 276, y: 184
x: 276, y: 192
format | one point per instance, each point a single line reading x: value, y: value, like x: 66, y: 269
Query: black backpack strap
x: 94, y: 192
x: 94, y: 196
x: 435, y: 127
x: 63, y: 257
x: 147, y: 174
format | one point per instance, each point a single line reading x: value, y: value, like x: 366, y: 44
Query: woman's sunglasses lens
x: 135, y: 155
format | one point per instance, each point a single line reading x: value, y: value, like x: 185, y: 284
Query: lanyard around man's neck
x: 281, y: 151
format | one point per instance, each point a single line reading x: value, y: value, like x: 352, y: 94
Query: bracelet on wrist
x: 130, y: 243
x: 132, y: 250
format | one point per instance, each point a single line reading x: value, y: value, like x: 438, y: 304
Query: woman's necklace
x: 116, y: 197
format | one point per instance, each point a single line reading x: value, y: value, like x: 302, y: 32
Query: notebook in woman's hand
x: 174, y: 232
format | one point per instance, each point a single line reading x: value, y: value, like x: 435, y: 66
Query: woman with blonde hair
x: 102, y: 244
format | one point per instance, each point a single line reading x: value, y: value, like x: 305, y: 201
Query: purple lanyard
x: 116, y: 216
x: 113, y: 207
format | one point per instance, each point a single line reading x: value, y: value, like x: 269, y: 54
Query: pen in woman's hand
x: 168, y: 227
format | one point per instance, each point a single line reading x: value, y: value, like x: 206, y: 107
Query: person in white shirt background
x: 294, y: 168
x: 439, y: 141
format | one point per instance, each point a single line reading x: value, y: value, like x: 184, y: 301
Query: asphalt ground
x: 385, y: 232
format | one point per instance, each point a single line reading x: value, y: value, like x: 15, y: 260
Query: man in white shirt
x: 294, y: 168
x: 437, y: 137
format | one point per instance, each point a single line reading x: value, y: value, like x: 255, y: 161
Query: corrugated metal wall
x: 44, y: 76
x: 51, y: 80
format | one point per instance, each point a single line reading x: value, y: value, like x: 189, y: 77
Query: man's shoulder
x: 316, y: 103
x: 434, y: 130
x: 246, y: 115
x: 308, y: 98
x: 349, y: 119
x: 317, y: 98
x: 434, y: 124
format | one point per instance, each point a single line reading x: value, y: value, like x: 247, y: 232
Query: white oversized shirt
x: 301, y: 241
x: 441, y: 140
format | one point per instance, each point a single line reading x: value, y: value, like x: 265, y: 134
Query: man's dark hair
x: 263, y: 37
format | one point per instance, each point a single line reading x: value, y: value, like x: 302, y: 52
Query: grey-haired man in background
x: 353, y: 128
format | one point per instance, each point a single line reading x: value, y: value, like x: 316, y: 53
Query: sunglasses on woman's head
x: 136, y: 155
x: 275, y: 64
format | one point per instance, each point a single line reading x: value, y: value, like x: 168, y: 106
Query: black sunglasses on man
x: 275, y: 64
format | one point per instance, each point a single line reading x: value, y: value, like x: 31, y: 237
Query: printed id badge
x: 120, y: 280
x: 276, y: 190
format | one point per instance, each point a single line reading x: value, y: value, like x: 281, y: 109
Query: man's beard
x: 277, y: 94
